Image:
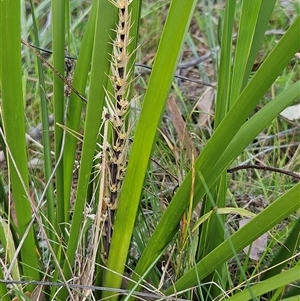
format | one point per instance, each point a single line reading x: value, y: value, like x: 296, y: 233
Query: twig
x: 179, y: 76
x: 184, y: 65
x: 250, y: 166
x: 180, y: 66
x: 198, y: 60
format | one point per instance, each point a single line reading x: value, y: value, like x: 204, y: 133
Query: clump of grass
x: 164, y: 218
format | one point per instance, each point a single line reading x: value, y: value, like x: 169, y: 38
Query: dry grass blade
x: 205, y: 106
x: 180, y: 127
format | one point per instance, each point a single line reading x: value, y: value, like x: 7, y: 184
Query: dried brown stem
x: 267, y: 168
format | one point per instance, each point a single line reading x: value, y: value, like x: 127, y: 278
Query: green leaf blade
x: 14, y: 128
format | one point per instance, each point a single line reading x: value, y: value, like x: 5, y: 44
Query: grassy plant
x: 143, y: 210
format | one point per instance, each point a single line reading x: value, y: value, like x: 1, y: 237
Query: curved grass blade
x: 46, y: 140
x: 76, y: 103
x: 58, y: 48
x: 14, y: 128
x: 277, y: 281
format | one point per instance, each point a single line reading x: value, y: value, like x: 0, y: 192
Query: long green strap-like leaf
x: 247, y: 26
x: 14, y: 127
x: 281, y: 279
x: 262, y: 22
x: 58, y: 49
x: 75, y: 104
x: 154, y: 104
x: 46, y: 140
x: 224, y: 71
x: 261, y: 81
x: 294, y: 298
x: 215, y: 226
